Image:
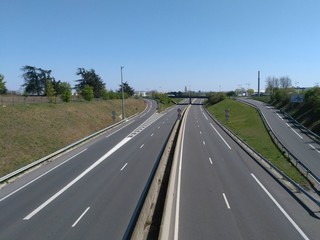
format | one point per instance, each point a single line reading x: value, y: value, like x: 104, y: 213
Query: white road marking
x: 210, y: 160
x: 81, y: 216
x: 158, y: 127
x: 314, y: 148
x: 95, y: 164
x: 220, y: 136
x: 200, y: 132
x: 85, y: 172
x: 294, y: 131
x: 42, y: 175
x: 203, y: 142
x: 151, y: 135
x: 280, y: 208
x: 141, y: 146
x: 226, y: 200
x: 279, y: 116
x: 176, y: 226
x: 205, y: 115
x: 123, y: 166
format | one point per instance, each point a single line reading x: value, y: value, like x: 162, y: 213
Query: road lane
x: 292, y: 137
x: 222, y: 200
x: 109, y: 194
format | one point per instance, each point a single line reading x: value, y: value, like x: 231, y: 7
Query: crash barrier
x: 257, y: 156
x: 142, y: 218
x: 305, y: 130
x: 167, y: 229
x: 46, y: 158
x: 293, y: 159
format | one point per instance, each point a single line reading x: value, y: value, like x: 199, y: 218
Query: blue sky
x: 206, y: 45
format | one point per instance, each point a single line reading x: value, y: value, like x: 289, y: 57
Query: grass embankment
x: 246, y: 123
x: 29, y: 132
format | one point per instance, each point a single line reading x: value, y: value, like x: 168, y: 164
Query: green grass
x: 30, y: 132
x: 246, y: 123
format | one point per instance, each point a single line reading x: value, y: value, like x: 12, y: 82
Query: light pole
x: 123, y: 116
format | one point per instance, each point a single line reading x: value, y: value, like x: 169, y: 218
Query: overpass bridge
x: 189, y: 97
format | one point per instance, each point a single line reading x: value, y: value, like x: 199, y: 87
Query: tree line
x: 40, y: 82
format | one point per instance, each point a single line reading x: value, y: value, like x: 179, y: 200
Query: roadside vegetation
x: 246, y: 123
x: 31, y: 131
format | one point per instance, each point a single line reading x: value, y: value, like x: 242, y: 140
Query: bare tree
x: 285, y: 82
x: 271, y: 84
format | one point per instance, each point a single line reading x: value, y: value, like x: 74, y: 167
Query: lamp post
x: 123, y: 116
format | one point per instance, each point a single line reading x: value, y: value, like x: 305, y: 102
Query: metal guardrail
x: 243, y: 143
x: 293, y: 159
x: 37, y: 162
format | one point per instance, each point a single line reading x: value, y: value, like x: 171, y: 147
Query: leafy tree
x: 271, y: 84
x: 35, y: 80
x: 3, y: 88
x: 126, y: 89
x: 65, y: 91
x: 90, y: 78
x: 87, y: 93
x: 50, y: 91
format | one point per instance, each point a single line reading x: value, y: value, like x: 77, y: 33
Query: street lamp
x: 123, y: 116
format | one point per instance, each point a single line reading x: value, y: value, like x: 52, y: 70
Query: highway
x: 90, y: 192
x: 297, y: 142
x: 222, y: 193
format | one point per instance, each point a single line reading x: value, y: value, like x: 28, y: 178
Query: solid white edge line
x: 42, y: 175
x: 176, y: 222
x: 280, y: 208
x: 220, y: 136
x: 226, y: 200
x: 123, y: 166
x: 81, y: 216
x: 62, y: 190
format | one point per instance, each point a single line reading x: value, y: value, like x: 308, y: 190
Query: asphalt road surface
x: 224, y: 194
x: 298, y: 143
x: 90, y: 192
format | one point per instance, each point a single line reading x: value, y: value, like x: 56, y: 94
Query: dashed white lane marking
x: 279, y: 116
x: 205, y: 115
x: 226, y: 200
x: 280, y: 208
x: 123, y: 166
x: 151, y: 135
x: 314, y: 148
x: 210, y: 160
x: 203, y: 142
x: 142, y: 146
x: 294, y: 131
x: 81, y: 216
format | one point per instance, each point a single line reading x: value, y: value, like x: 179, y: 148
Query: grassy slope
x: 29, y: 132
x: 247, y: 124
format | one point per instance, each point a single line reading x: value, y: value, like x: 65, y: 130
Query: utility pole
x: 123, y: 116
x: 258, y: 83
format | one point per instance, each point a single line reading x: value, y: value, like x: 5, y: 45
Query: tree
x: 271, y: 84
x: 126, y: 89
x: 50, y: 92
x: 87, y: 93
x: 36, y: 80
x: 90, y: 78
x: 65, y: 91
x: 285, y: 82
x: 3, y: 88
